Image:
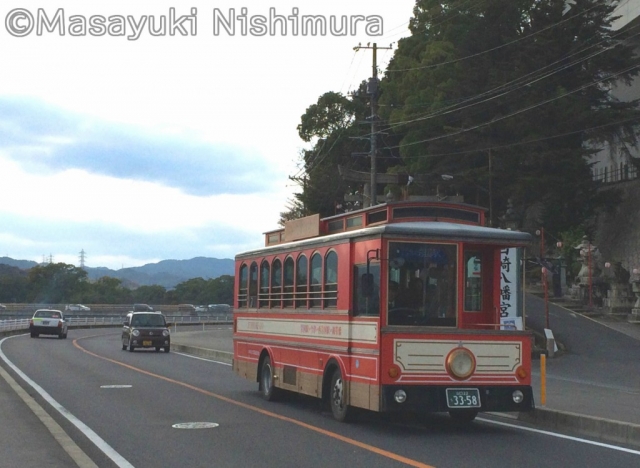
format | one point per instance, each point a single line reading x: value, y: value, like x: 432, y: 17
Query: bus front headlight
x: 400, y: 396
x: 517, y: 396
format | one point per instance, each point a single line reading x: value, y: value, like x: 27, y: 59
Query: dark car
x: 146, y: 330
x: 187, y: 308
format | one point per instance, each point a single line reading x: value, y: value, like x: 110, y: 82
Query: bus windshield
x: 422, y: 284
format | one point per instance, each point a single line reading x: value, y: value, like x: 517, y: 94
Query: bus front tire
x: 267, y: 388
x: 337, y: 398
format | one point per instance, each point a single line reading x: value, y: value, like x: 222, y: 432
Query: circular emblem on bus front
x: 460, y: 363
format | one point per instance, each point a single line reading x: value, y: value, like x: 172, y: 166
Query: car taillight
x: 30, y: 321
x: 60, y: 324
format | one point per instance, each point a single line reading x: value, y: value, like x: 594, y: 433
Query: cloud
x: 109, y: 245
x: 45, y: 139
x: 124, y: 215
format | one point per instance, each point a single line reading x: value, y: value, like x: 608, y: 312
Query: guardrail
x: 14, y: 324
x: 115, y: 321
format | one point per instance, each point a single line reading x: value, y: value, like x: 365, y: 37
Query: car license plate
x: 463, y: 398
x: 45, y: 322
x: 146, y: 343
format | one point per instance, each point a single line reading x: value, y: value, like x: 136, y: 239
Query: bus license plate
x: 463, y: 398
x: 146, y: 343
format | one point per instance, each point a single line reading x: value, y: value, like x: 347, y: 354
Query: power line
x: 520, y: 111
x: 521, y: 143
x: 425, y: 67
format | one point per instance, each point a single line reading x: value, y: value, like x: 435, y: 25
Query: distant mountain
x: 167, y: 273
x: 22, y: 264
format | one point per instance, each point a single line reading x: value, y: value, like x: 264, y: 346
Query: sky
x: 135, y: 143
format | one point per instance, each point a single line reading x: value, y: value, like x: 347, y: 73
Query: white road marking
x: 195, y: 425
x: 118, y: 459
x: 561, y: 436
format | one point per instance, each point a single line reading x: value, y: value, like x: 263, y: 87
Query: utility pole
x: 372, y: 89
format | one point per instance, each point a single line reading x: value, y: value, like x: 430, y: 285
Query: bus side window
x: 253, y: 285
x: 366, y: 290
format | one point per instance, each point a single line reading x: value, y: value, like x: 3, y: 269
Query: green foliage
x: 13, y: 284
x: 332, y: 113
x: 571, y: 238
x: 59, y: 283
x: 55, y: 283
x: 332, y: 126
x: 107, y: 290
x: 150, y: 294
x: 200, y: 291
x: 512, y: 94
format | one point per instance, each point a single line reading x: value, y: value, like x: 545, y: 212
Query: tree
x: 199, y: 291
x: 13, y: 284
x: 516, y: 85
x: 332, y: 126
x: 107, y: 290
x: 55, y: 283
x: 220, y: 290
x: 154, y: 294
x: 191, y: 291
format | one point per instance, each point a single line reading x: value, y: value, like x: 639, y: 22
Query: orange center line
x: 362, y: 445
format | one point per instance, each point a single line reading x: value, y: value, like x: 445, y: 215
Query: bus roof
x: 432, y: 230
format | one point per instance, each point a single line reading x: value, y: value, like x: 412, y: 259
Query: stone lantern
x: 619, y: 298
x: 634, y: 316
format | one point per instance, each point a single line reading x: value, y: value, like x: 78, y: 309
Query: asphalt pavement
x: 586, y: 394
x: 598, y: 400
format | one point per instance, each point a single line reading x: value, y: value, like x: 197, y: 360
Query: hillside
x: 167, y: 273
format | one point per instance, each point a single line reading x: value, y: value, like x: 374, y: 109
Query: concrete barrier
x: 605, y: 430
x: 222, y: 356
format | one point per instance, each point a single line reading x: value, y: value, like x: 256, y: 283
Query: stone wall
x: 618, y: 232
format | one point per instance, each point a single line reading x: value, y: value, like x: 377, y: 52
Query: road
x: 130, y: 402
x: 599, y: 361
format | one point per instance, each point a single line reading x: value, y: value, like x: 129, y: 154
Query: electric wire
x: 520, y: 111
x: 425, y: 67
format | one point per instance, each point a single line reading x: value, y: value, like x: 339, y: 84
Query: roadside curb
x: 222, y: 356
x: 605, y: 430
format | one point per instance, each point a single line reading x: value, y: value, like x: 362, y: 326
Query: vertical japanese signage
x: 511, y: 289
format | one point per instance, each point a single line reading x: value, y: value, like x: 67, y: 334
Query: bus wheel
x: 337, y: 397
x: 463, y: 416
x: 268, y: 390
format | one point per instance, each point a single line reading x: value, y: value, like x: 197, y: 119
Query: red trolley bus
x: 391, y: 308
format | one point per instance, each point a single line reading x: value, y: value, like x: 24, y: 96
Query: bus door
x: 478, y: 278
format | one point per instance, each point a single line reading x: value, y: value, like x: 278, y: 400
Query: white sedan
x: 48, y: 322
x: 77, y: 308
